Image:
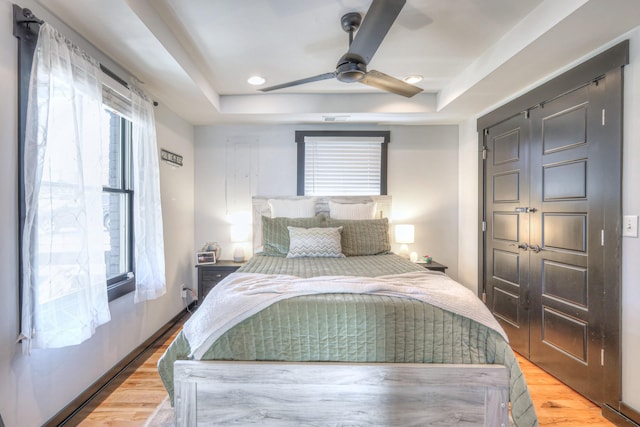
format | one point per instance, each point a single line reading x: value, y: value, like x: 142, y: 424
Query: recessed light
x: 413, y: 79
x: 256, y: 80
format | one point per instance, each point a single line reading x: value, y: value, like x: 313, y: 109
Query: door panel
x: 565, y: 282
x: 506, y: 273
x: 565, y: 277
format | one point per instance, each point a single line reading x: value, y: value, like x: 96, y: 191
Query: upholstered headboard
x: 261, y: 207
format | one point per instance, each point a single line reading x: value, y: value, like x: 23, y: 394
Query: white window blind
x: 342, y: 165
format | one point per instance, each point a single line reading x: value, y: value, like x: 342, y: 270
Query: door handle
x: 535, y: 248
x: 522, y: 246
x: 525, y: 209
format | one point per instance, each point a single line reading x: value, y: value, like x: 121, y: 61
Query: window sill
x: 121, y: 288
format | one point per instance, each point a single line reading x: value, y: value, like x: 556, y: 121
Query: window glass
x: 112, y: 150
x: 116, y: 198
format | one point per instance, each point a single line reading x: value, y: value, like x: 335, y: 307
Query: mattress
x: 353, y: 327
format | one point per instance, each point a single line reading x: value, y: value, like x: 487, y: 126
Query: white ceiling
x: 196, y: 55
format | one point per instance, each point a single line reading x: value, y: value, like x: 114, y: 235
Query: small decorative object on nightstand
x: 210, y: 275
x: 433, y: 266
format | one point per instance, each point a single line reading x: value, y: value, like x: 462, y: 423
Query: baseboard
x: 618, y: 418
x: 67, y: 413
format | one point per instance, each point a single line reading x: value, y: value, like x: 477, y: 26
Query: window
x: 79, y: 138
x: 342, y: 163
x: 117, y: 199
x: 117, y: 194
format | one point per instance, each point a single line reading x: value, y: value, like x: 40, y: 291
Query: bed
x: 358, y: 340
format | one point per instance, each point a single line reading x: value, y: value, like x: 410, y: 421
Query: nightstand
x: 434, y: 266
x: 210, y: 275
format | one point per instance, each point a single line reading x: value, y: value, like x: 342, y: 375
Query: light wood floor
x: 556, y: 404
x: 132, y: 398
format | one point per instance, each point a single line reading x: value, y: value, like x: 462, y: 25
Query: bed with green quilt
x: 372, y: 326
x: 326, y: 327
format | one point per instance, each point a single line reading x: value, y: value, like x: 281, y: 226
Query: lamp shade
x: 405, y: 233
x: 239, y: 233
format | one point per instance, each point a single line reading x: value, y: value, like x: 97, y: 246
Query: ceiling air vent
x: 335, y: 118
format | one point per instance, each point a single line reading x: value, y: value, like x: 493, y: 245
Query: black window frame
x: 384, y: 150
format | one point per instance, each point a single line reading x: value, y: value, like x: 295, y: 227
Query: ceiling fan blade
x: 390, y: 84
x: 317, y: 78
x: 375, y: 27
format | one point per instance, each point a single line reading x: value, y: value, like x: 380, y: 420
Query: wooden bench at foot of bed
x: 225, y: 393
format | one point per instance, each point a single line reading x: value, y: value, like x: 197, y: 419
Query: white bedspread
x: 241, y: 295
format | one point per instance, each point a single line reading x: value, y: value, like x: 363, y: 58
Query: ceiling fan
x: 352, y: 66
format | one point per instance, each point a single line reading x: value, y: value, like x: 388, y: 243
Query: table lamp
x: 404, y: 234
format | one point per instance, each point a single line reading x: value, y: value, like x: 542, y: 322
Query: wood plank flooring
x: 135, y: 394
x: 556, y: 404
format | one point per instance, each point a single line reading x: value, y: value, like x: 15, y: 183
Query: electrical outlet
x: 630, y: 226
x: 184, y: 293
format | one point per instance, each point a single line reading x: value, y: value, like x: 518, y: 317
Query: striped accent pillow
x: 315, y: 242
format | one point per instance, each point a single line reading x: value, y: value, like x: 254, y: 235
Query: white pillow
x: 315, y: 242
x: 352, y: 210
x: 303, y: 208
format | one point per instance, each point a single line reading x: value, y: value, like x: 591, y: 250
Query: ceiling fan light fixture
x: 256, y: 80
x: 413, y: 79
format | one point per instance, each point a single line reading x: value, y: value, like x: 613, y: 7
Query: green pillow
x: 275, y: 235
x: 363, y: 236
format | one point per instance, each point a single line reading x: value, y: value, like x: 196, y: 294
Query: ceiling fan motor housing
x: 351, y: 71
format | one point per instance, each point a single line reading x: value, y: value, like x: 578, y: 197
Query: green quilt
x: 358, y: 328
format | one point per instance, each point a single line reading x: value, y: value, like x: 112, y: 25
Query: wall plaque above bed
x: 348, y: 204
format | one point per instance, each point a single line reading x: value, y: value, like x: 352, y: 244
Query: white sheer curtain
x: 64, y: 284
x: 147, y: 208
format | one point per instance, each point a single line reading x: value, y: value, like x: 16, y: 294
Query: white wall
x: 631, y: 206
x: 422, y: 178
x: 34, y: 388
x: 468, y: 206
x: 631, y: 246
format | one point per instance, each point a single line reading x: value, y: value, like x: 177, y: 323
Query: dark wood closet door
x: 552, y: 179
x: 566, y: 238
x: 507, y: 196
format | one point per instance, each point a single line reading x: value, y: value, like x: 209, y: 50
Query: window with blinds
x: 342, y: 163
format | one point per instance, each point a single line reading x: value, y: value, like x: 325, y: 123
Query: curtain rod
x: 28, y: 18
x: 25, y: 17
